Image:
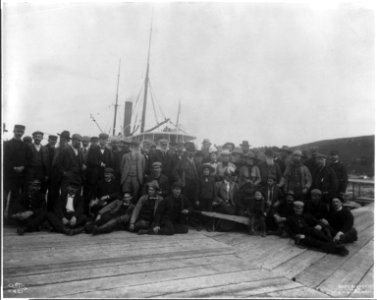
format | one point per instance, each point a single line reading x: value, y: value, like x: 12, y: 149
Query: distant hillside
x: 357, y: 152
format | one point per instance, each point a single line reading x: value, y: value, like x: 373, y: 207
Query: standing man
x: 206, y: 144
x: 85, y: 147
x: 340, y: 172
x: 56, y: 176
x: 16, y: 158
x: 245, y: 147
x: 132, y: 171
x: 324, y: 179
x: 164, y: 156
x: 99, y: 158
x: 50, y: 150
x: 161, y: 179
x: 296, y: 177
x: 39, y: 163
x: 268, y: 167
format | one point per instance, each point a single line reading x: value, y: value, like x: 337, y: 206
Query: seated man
x: 162, y: 180
x: 145, y: 209
x: 108, y: 190
x: 172, y: 213
x: 29, y: 210
x: 282, y: 211
x: 316, y: 206
x: 273, y: 196
x: 306, y: 231
x: 226, y: 200
x: 114, y: 215
x: 68, y: 214
x: 340, y: 223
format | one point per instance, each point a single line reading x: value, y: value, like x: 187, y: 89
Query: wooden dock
x: 198, y: 264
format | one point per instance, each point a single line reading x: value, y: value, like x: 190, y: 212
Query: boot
x: 105, y: 228
x: 77, y: 230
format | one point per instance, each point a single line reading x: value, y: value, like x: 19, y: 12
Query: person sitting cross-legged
x: 68, y: 215
x: 339, y: 221
x: 172, y: 213
x: 145, y: 209
x: 29, y: 210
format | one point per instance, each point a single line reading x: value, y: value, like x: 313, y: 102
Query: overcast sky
x: 272, y: 74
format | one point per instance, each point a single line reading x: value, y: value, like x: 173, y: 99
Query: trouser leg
x: 56, y: 223
x: 34, y: 222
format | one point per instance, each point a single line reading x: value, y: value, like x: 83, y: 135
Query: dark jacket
x: 111, y: 189
x: 266, y: 170
x: 166, y: 159
x: 342, y: 176
x: 69, y: 165
x: 207, y: 192
x: 170, y: 209
x: 60, y: 207
x: 324, y: 179
x: 341, y: 220
x: 163, y: 183
x: 95, y: 171
x: 39, y: 165
x: 16, y: 154
x: 300, y: 224
x: 319, y: 210
x: 35, y: 202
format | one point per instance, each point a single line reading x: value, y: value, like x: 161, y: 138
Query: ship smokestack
x: 127, y: 118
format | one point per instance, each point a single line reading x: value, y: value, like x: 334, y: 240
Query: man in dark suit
x: 164, y: 156
x: 50, y: 150
x: 99, y: 158
x: 16, y: 159
x: 340, y: 171
x: 71, y: 162
x: 68, y: 216
x: 56, y: 176
x: 162, y: 180
x: 324, y: 179
x: 39, y: 163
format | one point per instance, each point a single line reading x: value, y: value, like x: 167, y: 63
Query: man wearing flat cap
x: 16, y: 158
x: 39, y: 167
x: 56, y: 175
x: 99, y: 158
x: 30, y: 208
x: 296, y: 177
x: 316, y: 206
x: 162, y: 180
x: 324, y: 179
x: 340, y: 172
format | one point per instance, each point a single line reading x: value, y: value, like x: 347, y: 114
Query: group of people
x: 93, y: 185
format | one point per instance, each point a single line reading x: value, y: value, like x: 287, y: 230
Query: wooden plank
x: 238, y: 290
x: 291, y: 267
x: 344, y: 280
x: 323, y: 268
x: 299, y: 292
x: 143, y: 284
x: 365, y: 288
x: 234, y: 218
x: 95, y: 270
x: 163, y: 287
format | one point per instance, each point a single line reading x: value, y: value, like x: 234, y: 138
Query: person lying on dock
x: 340, y: 223
x: 145, y: 209
x: 172, y: 214
x: 115, y: 215
x: 29, y: 211
x: 68, y: 215
x: 307, y: 232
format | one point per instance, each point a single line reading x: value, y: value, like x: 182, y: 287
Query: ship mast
x: 116, y: 101
x: 146, y: 80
